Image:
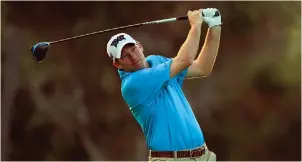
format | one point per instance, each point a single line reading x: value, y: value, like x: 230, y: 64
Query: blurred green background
x: 69, y: 107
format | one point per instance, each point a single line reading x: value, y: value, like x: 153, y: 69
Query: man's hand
x: 209, y: 17
x: 195, y: 18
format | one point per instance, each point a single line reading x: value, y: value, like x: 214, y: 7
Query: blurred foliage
x: 69, y: 107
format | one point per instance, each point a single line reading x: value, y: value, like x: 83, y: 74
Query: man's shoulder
x: 157, y: 57
x: 132, y: 87
x: 133, y: 79
x: 153, y: 56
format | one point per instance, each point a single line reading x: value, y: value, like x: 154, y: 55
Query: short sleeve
x: 145, y: 84
x: 179, y: 77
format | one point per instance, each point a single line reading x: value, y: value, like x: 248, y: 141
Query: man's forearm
x: 207, y: 56
x: 188, y: 50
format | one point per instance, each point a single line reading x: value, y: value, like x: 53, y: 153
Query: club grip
x: 186, y: 17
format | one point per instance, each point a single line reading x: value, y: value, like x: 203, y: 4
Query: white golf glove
x: 210, y: 18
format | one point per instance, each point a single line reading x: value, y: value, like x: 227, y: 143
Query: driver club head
x: 39, y: 51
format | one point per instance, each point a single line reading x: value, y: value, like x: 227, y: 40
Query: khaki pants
x: 208, y: 156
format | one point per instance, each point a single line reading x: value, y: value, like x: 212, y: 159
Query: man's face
x: 132, y: 58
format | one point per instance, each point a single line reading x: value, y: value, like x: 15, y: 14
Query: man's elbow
x: 187, y: 62
x: 205, y: 73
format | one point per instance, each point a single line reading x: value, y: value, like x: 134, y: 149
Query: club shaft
x: 123, y: 27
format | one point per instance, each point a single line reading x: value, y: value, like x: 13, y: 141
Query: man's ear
x: 140, y: 45
x: 117, y: 65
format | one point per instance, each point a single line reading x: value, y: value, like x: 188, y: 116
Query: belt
x: 179, y: 154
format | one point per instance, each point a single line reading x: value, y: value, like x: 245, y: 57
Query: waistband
x: 195, y: 152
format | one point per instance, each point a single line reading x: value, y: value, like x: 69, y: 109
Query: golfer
x: 152, y: 88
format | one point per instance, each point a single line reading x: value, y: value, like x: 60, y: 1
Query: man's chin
x: 139, y: 65
x: 136, y: 69
x: 139, y: 68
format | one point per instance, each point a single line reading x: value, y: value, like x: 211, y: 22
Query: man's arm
x: 203, y: 65
x: 188, y: 50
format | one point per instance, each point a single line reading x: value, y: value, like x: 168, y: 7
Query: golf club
x: 40, y: 50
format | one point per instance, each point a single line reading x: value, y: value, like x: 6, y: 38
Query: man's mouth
x: 136, y: 62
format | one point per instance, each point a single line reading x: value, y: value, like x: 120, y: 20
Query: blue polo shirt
x: 160, y: 107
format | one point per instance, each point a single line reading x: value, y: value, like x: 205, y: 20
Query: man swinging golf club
x: 152, y: 89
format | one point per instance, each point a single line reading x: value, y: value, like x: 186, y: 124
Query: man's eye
x: 133, y: 48
x: 125, y: 56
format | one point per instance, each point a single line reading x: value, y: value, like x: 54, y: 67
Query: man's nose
x: 133, y: 57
